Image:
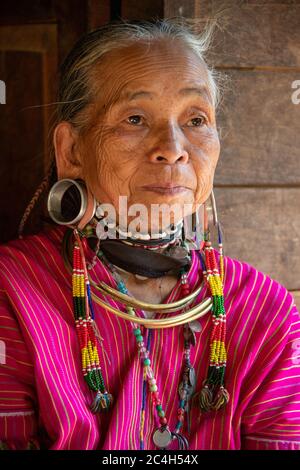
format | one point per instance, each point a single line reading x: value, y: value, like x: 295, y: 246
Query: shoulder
x: 34, y: 282
x: 50, y: 237
x: 31, y: 256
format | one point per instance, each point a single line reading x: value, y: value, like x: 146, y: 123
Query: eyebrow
x: 199, y: 90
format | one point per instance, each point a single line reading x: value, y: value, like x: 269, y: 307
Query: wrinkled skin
x: 164, y: 136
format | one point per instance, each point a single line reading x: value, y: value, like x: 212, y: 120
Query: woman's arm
x: 271, y: 419
x: 18, y: 420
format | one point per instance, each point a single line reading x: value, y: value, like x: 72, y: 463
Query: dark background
x: 258, y: 177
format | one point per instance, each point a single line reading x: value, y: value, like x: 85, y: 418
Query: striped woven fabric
x: 45, y: 402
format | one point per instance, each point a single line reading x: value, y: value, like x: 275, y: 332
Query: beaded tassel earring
x: 85, y: 327
x: 214, y: 396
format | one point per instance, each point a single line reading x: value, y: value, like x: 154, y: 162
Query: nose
x: 169, y: 147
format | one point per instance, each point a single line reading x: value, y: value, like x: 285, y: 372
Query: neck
x: 151, y: 290
x: 151, y: 258
x: 106, y: 228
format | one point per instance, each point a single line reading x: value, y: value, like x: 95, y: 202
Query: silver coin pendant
x: 162, y: 438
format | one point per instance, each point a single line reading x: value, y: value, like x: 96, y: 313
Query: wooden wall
x: 258, y: 177
x: 34, y: 38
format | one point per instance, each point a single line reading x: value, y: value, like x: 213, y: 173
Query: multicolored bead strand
x: 143, y: 409
x: 156, y: 401
x: 86, y: 329
x: 148, y: 374
x: 214, y: 396
x: 187, y: 386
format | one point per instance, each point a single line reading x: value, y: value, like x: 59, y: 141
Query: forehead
x: 161, y: 66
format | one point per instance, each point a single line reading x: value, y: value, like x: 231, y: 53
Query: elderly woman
x: 113, y: 334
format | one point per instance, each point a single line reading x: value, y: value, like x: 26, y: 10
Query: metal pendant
x: 187, y: 387
x: 162, y: 438
x: 192, y: 377
x: 195, y: 326
x: 185, y: 391
x: 189, y: 336
x: 183, y: 443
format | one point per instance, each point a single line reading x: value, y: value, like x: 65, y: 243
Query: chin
x: 170, y: 208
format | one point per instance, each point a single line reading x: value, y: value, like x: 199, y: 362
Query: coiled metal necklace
x: 212, y: 396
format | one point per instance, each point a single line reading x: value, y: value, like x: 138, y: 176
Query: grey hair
x: 75, y: 90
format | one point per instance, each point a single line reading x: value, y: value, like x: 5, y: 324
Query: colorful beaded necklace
x: 86, y: 329
x: 162, y: 436
x: 213, y: 395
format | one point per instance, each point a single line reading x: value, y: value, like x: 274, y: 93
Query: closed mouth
x: 165, y: 189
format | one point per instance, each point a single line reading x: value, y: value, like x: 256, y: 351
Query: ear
x: 68, y: 162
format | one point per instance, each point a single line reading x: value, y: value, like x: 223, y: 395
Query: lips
x: 165, y: 188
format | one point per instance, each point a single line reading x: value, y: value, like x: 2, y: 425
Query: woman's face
x: 152, y: 135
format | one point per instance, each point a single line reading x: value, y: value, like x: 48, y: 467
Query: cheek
x: 110, y: 165
x: 209, y: 145
x: 119, y: 148
x: 205, y: 163
x: 123, y: 137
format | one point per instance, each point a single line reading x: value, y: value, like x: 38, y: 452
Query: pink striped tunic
x: 44, y: 400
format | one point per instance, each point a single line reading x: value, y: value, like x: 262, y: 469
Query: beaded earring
x: 86, y: 329
x: 213, y: 395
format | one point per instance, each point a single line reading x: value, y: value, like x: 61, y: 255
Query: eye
x: 136, y: 120
x: 197, y: 121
